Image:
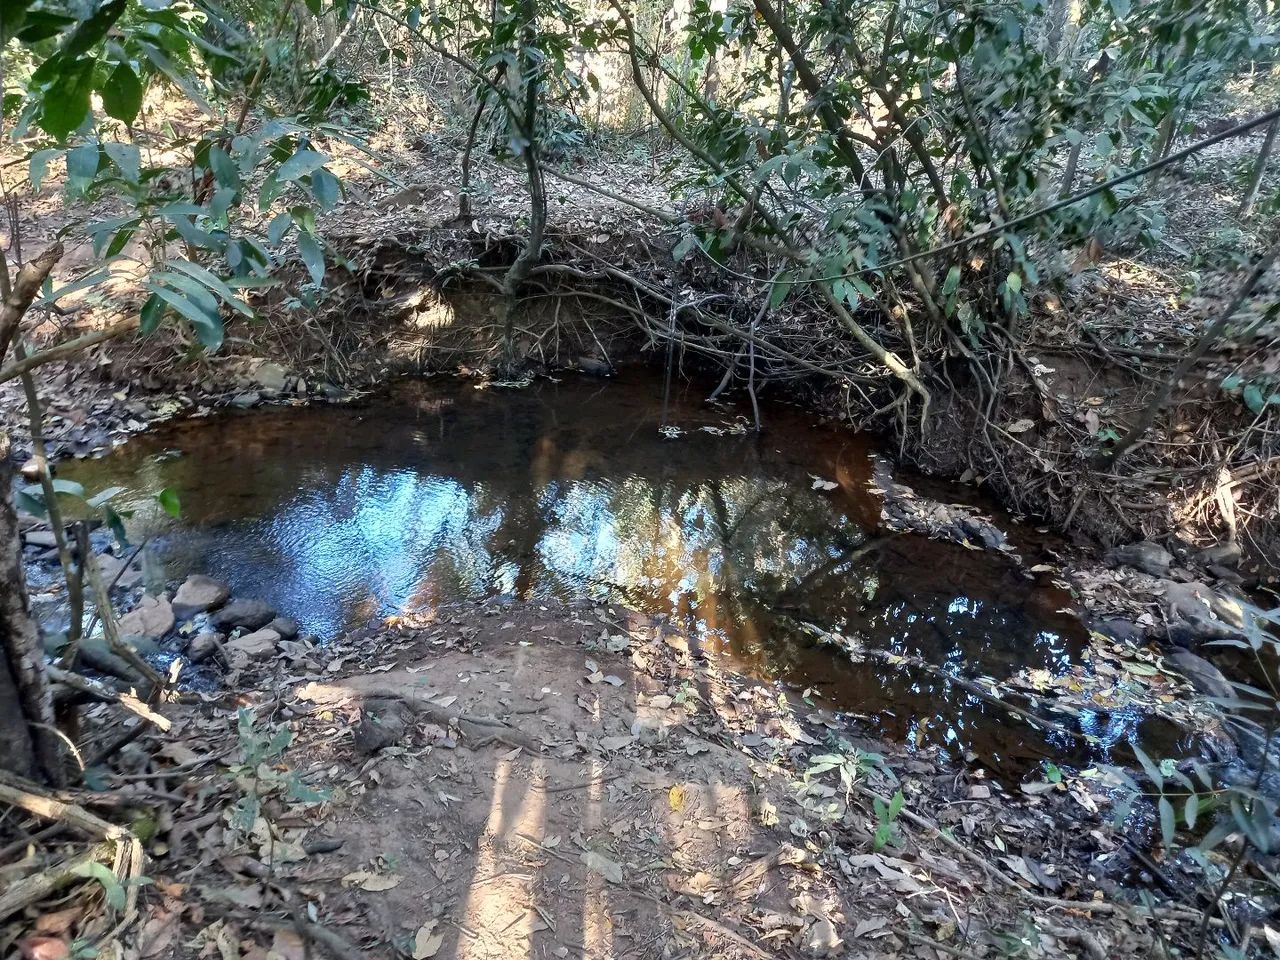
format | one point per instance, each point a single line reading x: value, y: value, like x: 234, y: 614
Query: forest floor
x: 534, y: 781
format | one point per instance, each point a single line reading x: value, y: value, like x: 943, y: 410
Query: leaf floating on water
x: 607, y: 868
x: 820, y: 484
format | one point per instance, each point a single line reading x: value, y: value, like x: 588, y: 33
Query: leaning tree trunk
x: 28, y: 743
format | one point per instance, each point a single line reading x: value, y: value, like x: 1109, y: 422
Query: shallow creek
x: 437, y: 492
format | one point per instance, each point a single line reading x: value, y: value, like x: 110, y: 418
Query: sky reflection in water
x: 440, y: 492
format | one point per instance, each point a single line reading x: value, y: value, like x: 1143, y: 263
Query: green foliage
x: 184, y: 213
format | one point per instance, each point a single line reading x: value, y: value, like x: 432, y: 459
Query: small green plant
x: 258, y: 777
x: 887, y: 819
x: 852, y: 767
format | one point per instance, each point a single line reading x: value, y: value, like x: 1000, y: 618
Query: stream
x: 437, y: 491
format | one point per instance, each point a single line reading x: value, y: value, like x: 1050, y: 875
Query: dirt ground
x: 529, y: 781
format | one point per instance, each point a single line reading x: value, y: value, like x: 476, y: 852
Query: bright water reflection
x: 439, y: 492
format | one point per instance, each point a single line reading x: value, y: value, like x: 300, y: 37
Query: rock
x: 122, y: 572
x: 288, y: 629
x: 152, y: 617
x: 198, y: 594
x: 1202, y: 674
x: 252, y: 646
x: 1226, y: 574
x: 821, y: 939
x: 39, y: 538
x: 1150, y: 558
x: 1124, y: 631
x: 203, y: 646
x: 1222, y: 555
x: 383, y: 723
x: 1195, y: 600
x: 247, y: 614
x: 249, y: 398
x: 271, y: 377
x: 594, y: 366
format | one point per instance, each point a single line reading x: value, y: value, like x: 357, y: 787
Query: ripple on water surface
x: 438, y: 492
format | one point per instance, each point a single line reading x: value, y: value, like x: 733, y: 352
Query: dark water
x: 439, y: 492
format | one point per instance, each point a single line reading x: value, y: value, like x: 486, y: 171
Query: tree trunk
x: 1259, y: 168
x: 28, y: 743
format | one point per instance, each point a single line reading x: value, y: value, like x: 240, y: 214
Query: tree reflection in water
x: 440, y: 492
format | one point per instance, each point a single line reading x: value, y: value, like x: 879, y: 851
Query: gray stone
x: 1196, y: 600
x: 246, y: 614
x: 1124, y: 631
x: 152, y: 617
x: 40, y: 538
x: 1150, y: 558
x: 383, y: 723
x: 249, y: 398
x: 199, y: 594
x: 252, y: 646
x: 1202, y: 674
x: 594, y: 366
x: 288, y: 629
x: 271, y: 377
x: 1222, y: 555
x: 203, y: 646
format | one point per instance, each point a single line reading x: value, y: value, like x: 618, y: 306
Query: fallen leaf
x: 427, y: 941
x: 616, y: 743
x: 374, y: 882
x: 607, y: 868
x: 676, y: 797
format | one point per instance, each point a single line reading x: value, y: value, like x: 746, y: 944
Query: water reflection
x: 439, y: 492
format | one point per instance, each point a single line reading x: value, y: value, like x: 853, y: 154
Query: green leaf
x: 1167, y: 822
x: 301, y: 164
x: 312, y: 255
x: 208, y: 327
x: 1015, y: 282
x: 65, y: 104
x: 1152, y: 770
x: 102, y: 496
x: 224, y: 168
x: 168, y: 499
x: 116, y: 524
x: 326, y: 189
x: 688, y: 243
x: 40, y: 166
x: 92, y: 29
x: 278, y: 227
x: 126, y: 158
x: 82, y: 166
x: 122, y: 94
x: 38, y: 25
x: 781, y: 287
x: 1253, y: 398
x: 152, y: 313
x: 213, y: 282
x: 952, y: 282
x: 1191, y: 810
